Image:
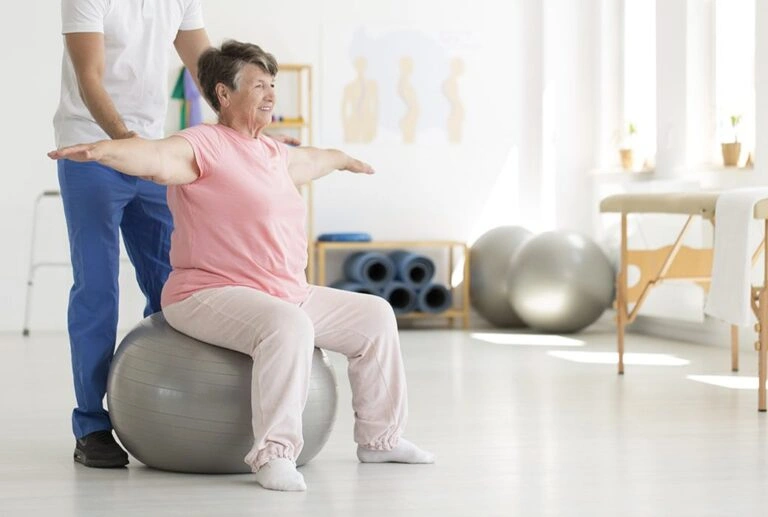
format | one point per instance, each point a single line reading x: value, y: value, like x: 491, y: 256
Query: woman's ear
x: 222, y: 93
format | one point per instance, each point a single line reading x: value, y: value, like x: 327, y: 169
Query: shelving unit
x: 455, y: 251
x: 294, y: 103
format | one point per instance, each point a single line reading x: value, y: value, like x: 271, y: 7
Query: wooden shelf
x: 295, y: 97
x: 386, y: 244
x: 288, y: 125
x: 293, y: 67
x: 460, y: 311
x: 450, y: 313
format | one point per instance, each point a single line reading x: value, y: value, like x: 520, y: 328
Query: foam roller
x: 435, y: 298
x: 413, y: 269
x: 400, y: 296
x: 370, y: 268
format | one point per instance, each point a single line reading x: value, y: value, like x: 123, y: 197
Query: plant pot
x: 731, y: 154
x: 627, y: 160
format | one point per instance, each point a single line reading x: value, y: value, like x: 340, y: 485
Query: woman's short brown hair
x: 224, y: 65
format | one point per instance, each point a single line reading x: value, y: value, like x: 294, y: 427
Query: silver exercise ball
x: 560, y: 282
x: 182, y: 405
x: 489, y: 261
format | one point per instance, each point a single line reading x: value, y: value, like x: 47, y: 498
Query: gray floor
x: 518, y: 430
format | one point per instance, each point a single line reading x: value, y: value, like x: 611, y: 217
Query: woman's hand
x: 86, y: 152
x: 354, y: 165
x: 77, y: 153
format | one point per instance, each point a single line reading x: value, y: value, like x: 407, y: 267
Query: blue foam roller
x: 413, y: 269
x: 345, y: 237
x: 370, y: 268
x: 400, y: 296
x: 435, y: 298
x: 355, y: 287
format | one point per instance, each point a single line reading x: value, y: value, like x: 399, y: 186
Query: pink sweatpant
x: 281, y: 336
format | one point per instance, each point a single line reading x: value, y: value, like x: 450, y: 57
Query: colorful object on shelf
x: 186, y: 90
x: 287, y: 120
x: 345, y: 237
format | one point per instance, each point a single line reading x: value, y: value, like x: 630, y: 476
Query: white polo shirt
x: 138, y: 36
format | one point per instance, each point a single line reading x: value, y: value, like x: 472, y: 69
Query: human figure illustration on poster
x: 455, y: 122
x: 359, y: 107
x: 407, y: 93
x: 405, y: 86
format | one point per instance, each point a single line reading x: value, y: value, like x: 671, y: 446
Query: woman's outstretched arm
x: 170, y: 161
x: 309, y: 163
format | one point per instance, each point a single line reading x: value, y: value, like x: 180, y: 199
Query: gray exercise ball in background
x: 560, y: 282
x: 612, y: 249
x: 489, y: 261
x: 182, y: 405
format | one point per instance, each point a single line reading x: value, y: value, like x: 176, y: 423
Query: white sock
x: 281, y: 474
x: 404, y: 452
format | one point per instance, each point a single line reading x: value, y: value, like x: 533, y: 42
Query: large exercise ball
x: 489, y: 261
x: 560, y: 282
x: 182, y: 405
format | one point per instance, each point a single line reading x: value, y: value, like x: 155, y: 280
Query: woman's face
x: 254, y: 98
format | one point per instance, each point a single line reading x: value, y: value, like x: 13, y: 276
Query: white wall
x: 761, y: 85
x: 534, y: 169
x: 571, y: 107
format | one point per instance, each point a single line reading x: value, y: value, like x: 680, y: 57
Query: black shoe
x: 100, y: 450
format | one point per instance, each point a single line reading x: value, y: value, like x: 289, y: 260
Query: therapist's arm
x: 86, y: 49
x: 189, y: 45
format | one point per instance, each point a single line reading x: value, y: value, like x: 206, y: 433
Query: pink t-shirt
x: 241, y: 223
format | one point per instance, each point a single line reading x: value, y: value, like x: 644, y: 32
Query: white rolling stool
x: 33, y: 265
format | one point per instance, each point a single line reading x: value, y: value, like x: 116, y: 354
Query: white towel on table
x: 737, y: 235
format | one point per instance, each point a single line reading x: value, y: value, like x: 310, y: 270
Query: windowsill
x: 718, y: 168
x: 731, y: 177
x: 619, y: 174
x: 714, y: 176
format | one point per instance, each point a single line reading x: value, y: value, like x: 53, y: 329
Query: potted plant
x: 625, y: 152
x: 732, y: 150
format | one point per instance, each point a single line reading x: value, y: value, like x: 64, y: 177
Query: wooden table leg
x: 762, y: 339
x: 763, y: 322
x: 621, y: 293
x: 465, y: 293
x: 320, y: 273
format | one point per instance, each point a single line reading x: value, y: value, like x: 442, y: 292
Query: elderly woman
x: 239, y: 251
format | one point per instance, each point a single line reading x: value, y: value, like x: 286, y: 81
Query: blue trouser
x: 99, y: 203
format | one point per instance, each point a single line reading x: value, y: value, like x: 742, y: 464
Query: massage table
x: 676, y: 262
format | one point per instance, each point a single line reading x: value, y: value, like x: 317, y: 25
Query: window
x: 639, y: 94
x: 735, y: 72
